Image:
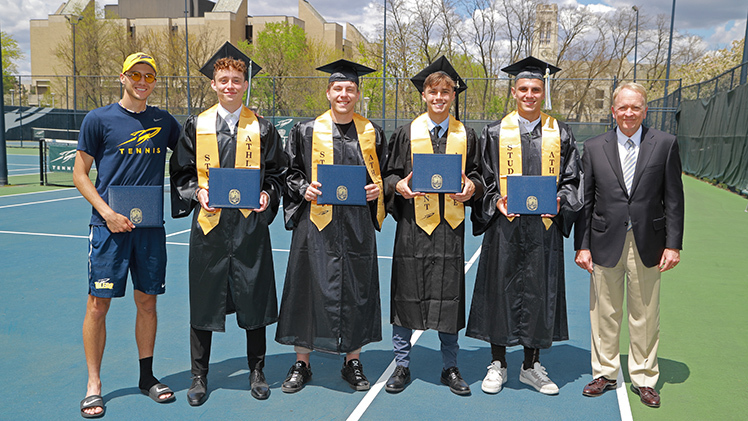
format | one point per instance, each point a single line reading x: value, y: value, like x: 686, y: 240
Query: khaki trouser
x: 606, y: 313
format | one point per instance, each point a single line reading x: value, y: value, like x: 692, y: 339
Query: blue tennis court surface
x: 43, y: 243
x: 23, y: 164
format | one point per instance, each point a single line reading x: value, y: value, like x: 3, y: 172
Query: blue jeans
x: 401, y: 344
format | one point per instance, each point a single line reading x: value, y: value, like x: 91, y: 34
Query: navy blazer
x: 655, y: 206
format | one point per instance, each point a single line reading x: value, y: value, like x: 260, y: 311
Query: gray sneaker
x: 538, y: 378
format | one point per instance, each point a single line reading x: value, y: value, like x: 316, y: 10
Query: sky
x: 718, y: 24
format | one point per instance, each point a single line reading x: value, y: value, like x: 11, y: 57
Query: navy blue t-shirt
x: 129, y: 149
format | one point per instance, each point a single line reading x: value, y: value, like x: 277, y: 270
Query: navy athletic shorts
x: 142, y: 251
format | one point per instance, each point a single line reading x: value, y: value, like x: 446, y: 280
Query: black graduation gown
x: 231, y: 268
x: 519, y: 296
x: 428, y: 271
x: 330, y: 297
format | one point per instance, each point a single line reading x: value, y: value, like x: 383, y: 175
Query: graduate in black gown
x: 330, y: 299
x: 519, y: 296
x: 428, y: 276
x: 231, y: 261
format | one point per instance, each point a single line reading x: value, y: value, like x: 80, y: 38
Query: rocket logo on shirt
x: 134, y: 145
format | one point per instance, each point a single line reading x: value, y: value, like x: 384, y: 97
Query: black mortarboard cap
x: 344, y: 70
x: 530, y: 68
x: 228, y: 50
x: 440, y: 64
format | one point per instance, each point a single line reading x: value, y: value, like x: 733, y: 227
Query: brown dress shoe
x: 598, y: 386
x: 648, y: 396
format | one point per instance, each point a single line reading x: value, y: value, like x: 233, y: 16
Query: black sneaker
x: 298, y: 376
x: 398, y: 380
x: 353, y: 373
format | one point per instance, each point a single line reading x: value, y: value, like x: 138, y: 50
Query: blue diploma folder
x: 342, y: 185
x: 531, y: 194
x: 237, y: 188
x: 437, y: 173
x: 142, y: 205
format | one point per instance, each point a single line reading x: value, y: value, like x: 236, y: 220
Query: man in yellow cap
x: 128, y: 142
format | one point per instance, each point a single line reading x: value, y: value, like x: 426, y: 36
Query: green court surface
x: 703, y: 351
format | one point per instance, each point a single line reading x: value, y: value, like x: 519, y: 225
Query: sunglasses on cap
x: 135, y: 76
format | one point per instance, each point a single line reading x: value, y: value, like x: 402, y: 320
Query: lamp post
x: 384, y: 68
x: 669, y: 52
x: 74, y: 19
x: 187, y: 55
x: 744, y: 70
x: 636, y: 39
x: 3, y: 153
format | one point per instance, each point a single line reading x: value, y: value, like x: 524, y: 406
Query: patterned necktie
x: 629, y: 165
x: 437, y: 129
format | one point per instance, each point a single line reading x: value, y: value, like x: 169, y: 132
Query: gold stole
x: 427, y: 207
x: 247, y: 154
x: 510, y: 150
x: 322, y: 153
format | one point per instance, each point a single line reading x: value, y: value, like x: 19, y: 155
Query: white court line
x: 174, y: 243
x: 38, y: 192
x: 41, y: 234
x: 20, y: 173
x: 177, y: 233
x: 623, y: 399
x: 77, y: 196
x: 374, y: 391
x: 40, y: 202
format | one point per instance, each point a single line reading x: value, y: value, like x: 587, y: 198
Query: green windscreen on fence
x: 713, y: 137
x: 58, y: 161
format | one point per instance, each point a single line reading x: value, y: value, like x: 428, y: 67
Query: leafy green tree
x: 11, y: 53
x: 283, y: 52
x: 94, y: 55
x: 712, y: 64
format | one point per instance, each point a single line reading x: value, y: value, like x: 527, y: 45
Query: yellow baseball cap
x: 136, y: 58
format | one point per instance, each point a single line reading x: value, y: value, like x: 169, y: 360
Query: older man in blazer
x: 629, y: 232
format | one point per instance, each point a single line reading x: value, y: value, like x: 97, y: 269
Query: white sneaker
x: 495, y: 378
x: 538, y: 378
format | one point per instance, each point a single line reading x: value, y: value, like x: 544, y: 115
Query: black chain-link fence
x: 53, y: 107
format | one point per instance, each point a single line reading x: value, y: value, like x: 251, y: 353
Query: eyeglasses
x: 135, y: 76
